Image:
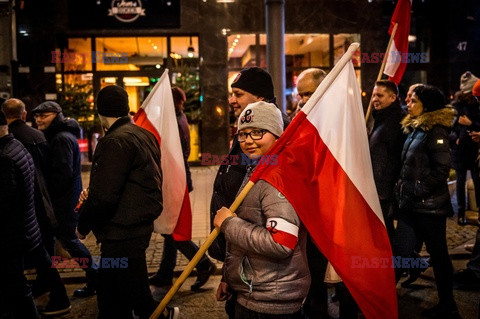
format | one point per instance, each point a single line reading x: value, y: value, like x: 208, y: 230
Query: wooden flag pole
x: 201, y: 251
x: 324, y: 85
x: 382, y: 67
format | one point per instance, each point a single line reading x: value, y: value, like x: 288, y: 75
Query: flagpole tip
x: 353, y: 47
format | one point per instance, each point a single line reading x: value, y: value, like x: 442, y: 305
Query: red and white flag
x: 157, y: 115
x: 324, y: 170
x: 398, y: 56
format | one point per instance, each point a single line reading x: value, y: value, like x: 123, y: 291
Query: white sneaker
x: 171, y: 312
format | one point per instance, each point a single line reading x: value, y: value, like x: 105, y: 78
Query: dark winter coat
x: 184, y: 131
x: 64, y: 178
x: 36, y: 144
x: 19, y: 231
x: 422, y: 186
x: 386, y: 143
x: 125, y: 192
x: 464, y: 154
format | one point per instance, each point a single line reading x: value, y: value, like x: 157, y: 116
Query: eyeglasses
x: 254, y: 135
x: 305, y: 94
x: 43, y: 116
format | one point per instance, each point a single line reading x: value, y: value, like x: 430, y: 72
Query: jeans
x: 66, y: 235
x: 460, y: 189
x: 48, y: 276
x: 16, y: 299
x: 169, y: 258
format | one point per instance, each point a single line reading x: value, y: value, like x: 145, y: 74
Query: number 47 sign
x: 462, y: 46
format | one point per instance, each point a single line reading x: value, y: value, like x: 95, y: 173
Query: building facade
x: 68, y: 50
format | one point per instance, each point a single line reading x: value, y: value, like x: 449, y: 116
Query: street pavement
x: 202, y: 304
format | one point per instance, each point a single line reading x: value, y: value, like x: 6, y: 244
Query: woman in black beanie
x: 422, y: 192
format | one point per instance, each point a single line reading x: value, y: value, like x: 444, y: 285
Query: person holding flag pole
x: 347, y: 224
x: 266, y: 242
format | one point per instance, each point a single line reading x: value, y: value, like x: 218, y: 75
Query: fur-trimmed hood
x: 428, y: 120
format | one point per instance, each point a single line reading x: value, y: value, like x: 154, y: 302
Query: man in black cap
x: 124, y: 199
x: 64, y: 182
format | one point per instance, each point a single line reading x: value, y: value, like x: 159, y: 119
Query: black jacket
x: 464, y: 154
x: 422, y: 186
x: 125, y: 192
x: 386, y: 143
x: 64, y: 178
x: 19, y: 232
x: 36, y: 144
x: 229, y: 178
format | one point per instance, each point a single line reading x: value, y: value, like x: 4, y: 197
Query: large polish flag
x: 324, y: 170
x: 396, y: 64
x: 157, y: 115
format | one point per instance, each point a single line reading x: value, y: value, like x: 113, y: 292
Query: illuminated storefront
x: 80, y: 46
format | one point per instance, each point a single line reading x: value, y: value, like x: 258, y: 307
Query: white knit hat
x: 262, y: 115
x: 467, y: 81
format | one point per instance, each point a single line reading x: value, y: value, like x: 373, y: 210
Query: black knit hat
x: 3, y: 118
x: 48, y: 106
x: 256, y: 81
x: 112, y: 101
x: 431, y: 97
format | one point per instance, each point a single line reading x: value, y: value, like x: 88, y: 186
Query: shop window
x: 341, y: 42
x: 184, y: 47
x: 130, y: 53
x: 301, y: 50
x: 76, y: 57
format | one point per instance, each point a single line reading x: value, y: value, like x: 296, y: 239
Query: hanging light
x: 190, y: 49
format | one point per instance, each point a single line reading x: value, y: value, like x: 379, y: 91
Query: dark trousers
x: 47, y: 276
x: 347, y: 307
x: 169, y: 258
x: 122, y: 291
x: 431, y: 229
x: 386, y: 206
x: 243, y: 313
x: 16, y: 299
x: 474, y: 262
x: 316, y: 303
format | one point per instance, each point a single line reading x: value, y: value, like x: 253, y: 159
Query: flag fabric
x: 324, y: 170
x: 397, y: 58
x: 157, y: 115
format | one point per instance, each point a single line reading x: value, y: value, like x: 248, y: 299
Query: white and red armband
x: 283, y: 232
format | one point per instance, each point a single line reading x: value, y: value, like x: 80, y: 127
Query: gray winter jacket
x: 268, y: 277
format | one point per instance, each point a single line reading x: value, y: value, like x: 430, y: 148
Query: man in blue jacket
x: 64, y: 182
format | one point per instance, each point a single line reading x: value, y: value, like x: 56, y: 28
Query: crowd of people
x: 266, y: 274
